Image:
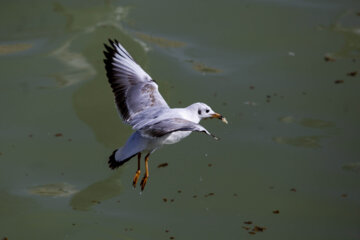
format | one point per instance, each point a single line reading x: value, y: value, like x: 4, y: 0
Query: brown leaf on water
x: 14, y: 48
x: 160, y: 41
x: 162, y: 165
x: 164, y: 199
x: 338, y: 81
x: 248, y: 222
x: 276, y: 212
x: 329, y: 59
x: 352, y: 74
x: 58, y: 134
x: 209, y: 194
x: 246, y: 228
x: 258, y: 229
x: 252, y: 233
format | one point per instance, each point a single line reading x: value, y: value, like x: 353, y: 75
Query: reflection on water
x: 53, y: 190
x: 348, y: 24
x: 79, y: 68
x: 97, y: 192
x: 14, y: 48
x: 159, y: 41
x: 302, y: 141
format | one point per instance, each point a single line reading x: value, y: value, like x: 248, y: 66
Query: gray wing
x: 134, y: 89
x: 167, y: 126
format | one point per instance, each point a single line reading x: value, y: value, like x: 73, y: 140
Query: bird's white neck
x: 191, y: 114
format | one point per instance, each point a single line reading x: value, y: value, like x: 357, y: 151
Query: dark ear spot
x: 199, y: 112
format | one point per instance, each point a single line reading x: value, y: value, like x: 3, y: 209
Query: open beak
x: 219, y: 116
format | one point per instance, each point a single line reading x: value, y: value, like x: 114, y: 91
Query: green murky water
x: 286, y: 74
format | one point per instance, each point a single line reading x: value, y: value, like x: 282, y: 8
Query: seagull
x: 141, y: 105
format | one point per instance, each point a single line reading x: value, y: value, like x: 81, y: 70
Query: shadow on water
x: 97, y: 192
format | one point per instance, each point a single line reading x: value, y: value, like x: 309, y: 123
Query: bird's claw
x: 143, y: 182
x: 136, y: 178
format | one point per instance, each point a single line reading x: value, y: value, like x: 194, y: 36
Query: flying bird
x: 141, y: 105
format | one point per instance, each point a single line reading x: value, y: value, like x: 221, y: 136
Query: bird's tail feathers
x: 115, y: 161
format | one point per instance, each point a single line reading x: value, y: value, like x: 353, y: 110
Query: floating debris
x: 252, y: 87
x: 338, y: 81
x: 287, y: 119
x: 160, y: 41
x: 292, y: 54
x: 194, y: 196
x: 276, y: 212
x: 252, y: 233
x: 354, y: 167
x: 235, y: 195
x: 258, y: 229
x: 205, y: 69
x: 250, y: 103
x: 58, y: 134
x: 209, y: 194
x: 293, y: 190
x: 209, y: 165
x: 344, y: 195
x: 172, y: 237
x: 162, y: 165
x: 248, y: 222
x: 352, y: 74
x: 179, y: 191
x: 164, y: 199
x: 329, y: 59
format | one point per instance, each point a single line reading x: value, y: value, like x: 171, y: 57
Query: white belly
x: 176, y: 137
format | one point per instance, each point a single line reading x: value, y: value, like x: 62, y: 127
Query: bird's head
x: 203, y: 111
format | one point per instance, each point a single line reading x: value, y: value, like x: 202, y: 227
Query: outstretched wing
x: 134, y: 89
x: 171, y: 125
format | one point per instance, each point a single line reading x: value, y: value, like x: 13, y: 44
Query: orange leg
x: 137, y: 174
x: 146, y: 176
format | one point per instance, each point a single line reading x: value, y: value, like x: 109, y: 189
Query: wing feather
x: 133, y: 88
x: 167, y: 126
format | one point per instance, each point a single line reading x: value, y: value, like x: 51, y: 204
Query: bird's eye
x: 199, y: 112
x: 207, y: 110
